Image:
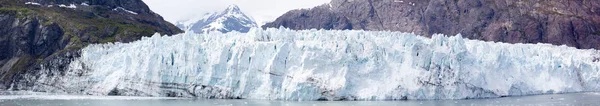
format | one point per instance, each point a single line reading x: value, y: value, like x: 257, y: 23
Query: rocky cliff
x: 574, y: 23
x: 38, y: 33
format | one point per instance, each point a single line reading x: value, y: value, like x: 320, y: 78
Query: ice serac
x: 317, y: 64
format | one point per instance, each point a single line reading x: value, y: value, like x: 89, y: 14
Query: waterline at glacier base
x: 282, y: 64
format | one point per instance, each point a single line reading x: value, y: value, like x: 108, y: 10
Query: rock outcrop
x: 573, y: 23
x: 37, y: 33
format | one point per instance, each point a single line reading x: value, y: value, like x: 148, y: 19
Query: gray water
x: 575, y: 99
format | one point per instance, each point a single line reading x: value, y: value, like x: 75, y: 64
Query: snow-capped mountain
x: 231, y: 19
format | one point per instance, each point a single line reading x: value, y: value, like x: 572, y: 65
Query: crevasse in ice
x: 334, y: 65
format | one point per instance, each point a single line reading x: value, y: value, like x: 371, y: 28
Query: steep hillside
x: 574, y: 23
x: 49, y: 33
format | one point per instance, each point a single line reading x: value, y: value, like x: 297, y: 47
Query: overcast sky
x: 261, y: 10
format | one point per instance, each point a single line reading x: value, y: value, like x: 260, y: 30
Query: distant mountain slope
x: 231, y: 19
x: 37, y: 34
x: 574, y: 23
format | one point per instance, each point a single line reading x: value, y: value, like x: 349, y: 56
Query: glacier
x: 283, y: 64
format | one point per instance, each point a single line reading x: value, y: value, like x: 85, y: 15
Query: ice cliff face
x: 318, y: 64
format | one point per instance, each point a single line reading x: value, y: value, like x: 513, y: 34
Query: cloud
x: 261, y: 10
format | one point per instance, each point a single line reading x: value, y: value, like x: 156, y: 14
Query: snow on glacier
x: 334, y: 65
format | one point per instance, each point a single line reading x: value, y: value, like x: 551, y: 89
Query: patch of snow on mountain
x: 69, y: 6
x: 32, y: 3
x: 123, y: 9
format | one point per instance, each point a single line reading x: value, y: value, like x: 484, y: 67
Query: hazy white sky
x: 261, y: 10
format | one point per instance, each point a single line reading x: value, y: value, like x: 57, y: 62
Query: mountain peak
x: 232, y: 9
x: 231, y: 19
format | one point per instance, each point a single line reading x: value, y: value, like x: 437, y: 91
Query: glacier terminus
x: 283, y: 64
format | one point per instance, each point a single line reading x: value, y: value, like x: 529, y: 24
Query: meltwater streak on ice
x: 335, y: 65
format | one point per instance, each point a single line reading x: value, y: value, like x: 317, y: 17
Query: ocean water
x: 574, y: 99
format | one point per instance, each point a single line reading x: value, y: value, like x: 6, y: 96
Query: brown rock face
x: 561, y: 22
x: 33, y: 37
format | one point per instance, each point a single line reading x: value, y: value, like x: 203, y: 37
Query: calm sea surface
x: 575, y: 99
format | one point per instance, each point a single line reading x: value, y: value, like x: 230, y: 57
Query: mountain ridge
x: 558, y: 22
